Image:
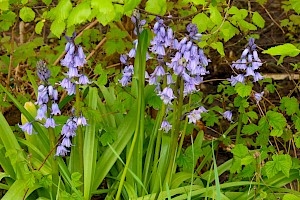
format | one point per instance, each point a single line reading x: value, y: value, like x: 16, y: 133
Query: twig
x: 80, y: 33
x: 272, y: 18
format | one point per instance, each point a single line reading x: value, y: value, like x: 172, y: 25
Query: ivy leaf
x: 105, y: 9
x: 250, y: 129
x: 258, y: 20
x: 219, y: 47
x: 79, y: 14
x: 243, y: 90
x: 283, y: 50
x: 39, y: 27
x: 156, y: 6
x: 290, y: 104
x: 280, y: 163
x: 27, y: 14
x: 57, y: 27
x: 276, y: 120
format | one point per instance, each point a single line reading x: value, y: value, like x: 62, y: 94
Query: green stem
x: 78, y: 162
x: 54, y: 165
x: 239, y: 128
x: 175, y: 132
x: 184, y: 130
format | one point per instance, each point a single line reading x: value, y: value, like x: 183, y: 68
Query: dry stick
x: 96, y: 48
x: 120, y: 25
x: 80, y: 33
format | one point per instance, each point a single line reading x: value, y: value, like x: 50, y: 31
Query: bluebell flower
x: 83, y: 80
x: 61, y: 151
x: 123, y: 59
x: 165, y: 126
x: 50, y: 123
x: 194, y: 116
x: 257, y: 76
x: 42, y: 71
x: 228, y: 115
x: 66, y: 142
x: 55, y: 109
x: 41, y: 112
x: 27, y: 128
x: 167, y: 95
x: 81, y: 121
x: 125, y: 80
x: 258, y: 96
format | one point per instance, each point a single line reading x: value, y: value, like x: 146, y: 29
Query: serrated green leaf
x: 39, y: 27
x: 7, y: 19
x: 228, y: 31
x: 215, y: 15
x: 297, y: 123
x: 105, y: 11
x: 156, y: 6
x: 276, y: 120
x: 202, y: 21
x: 4, y: 5
x: 295, y: 5
x: 258, y: 20
x: 284, y: 50
x: 276, y: 132
x: 250, y: 129
x: 246, y: 25
x: 47, y: 2
x: 219, y: 47
x: 61, y: 11
x: 291, y: 105
x: 280, y: 163
x: 252, y: 115
x: 57, y: 27
x: 27, y: 14
x: 240, y: 150
x: 243, y: 90
x: 129, y: 5
x: 79, y: 14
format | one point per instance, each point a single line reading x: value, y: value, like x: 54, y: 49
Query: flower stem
x: 54, y: 165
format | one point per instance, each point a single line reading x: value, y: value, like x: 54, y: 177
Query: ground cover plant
x: 149, y: 99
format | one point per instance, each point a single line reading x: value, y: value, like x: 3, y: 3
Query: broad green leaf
x: 284, y: 50
x: 215, y: 15
x: 258, y: 20
x: 39, y: 27
x: 156, y: 6
x: 7, y: 19
x: 27, y: 14
x: 240, y: 151
x: 291, y: 105
x: 57, y: 27
x: 228, y: 31
x: 219, y: 47
x: 295, y: 5
x: 291, y: 196
x: 276, y: 120
x: 79, y: 14
x: 243, y: 90
x: 276, y: 132
x: 250, y: 129
x: 202, y: 22
x: 280, y: 163
x: 129, y: 5
x: 47, y: 2
x: 297, y: 123
x: 61, y: 11
x: 252, y: 115
x: 4, y: 5
x: 199, y: 2
x: 105, y: 11
x: 246, y: 25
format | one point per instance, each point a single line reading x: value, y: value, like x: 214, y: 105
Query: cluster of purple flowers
x: 46, y: 100
x: 74, y: 61
x: 249, y: 63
